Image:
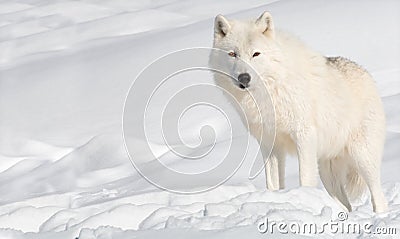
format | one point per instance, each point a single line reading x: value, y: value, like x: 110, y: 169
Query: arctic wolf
x: 327, y: 109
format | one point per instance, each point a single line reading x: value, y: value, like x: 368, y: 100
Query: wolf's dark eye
x: 232, y: 54
x: 256, y: 54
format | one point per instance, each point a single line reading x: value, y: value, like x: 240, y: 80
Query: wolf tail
x: 342, y: 181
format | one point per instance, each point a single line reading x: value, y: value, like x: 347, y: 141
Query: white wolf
x: 327, y: 109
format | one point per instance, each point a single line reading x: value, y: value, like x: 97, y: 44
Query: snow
x: 65, y: 70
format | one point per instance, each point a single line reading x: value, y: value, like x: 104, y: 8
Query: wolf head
x: 250, y: 47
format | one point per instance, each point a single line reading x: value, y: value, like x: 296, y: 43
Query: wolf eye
x: 232, y: 54
x: 256, y: 54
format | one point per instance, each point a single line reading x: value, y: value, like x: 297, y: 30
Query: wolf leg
x: 307, y: 156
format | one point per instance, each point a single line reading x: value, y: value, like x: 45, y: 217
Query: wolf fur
x: 326, y: 109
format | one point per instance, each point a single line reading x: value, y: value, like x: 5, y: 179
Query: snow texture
x: 65, y: 68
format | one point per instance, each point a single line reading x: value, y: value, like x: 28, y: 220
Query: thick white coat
x: 325, y: 110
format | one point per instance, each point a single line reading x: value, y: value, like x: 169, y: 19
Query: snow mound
x: 65, y: 69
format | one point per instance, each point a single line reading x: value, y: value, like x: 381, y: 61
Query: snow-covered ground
x: 65, y: 70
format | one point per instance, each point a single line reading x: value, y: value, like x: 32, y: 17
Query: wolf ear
x: 221, y: 26
x: 265, y: 24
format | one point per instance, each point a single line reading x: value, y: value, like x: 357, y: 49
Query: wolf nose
x: 244, y: 79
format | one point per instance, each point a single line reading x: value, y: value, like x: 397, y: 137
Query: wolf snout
x: 244, y: 80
